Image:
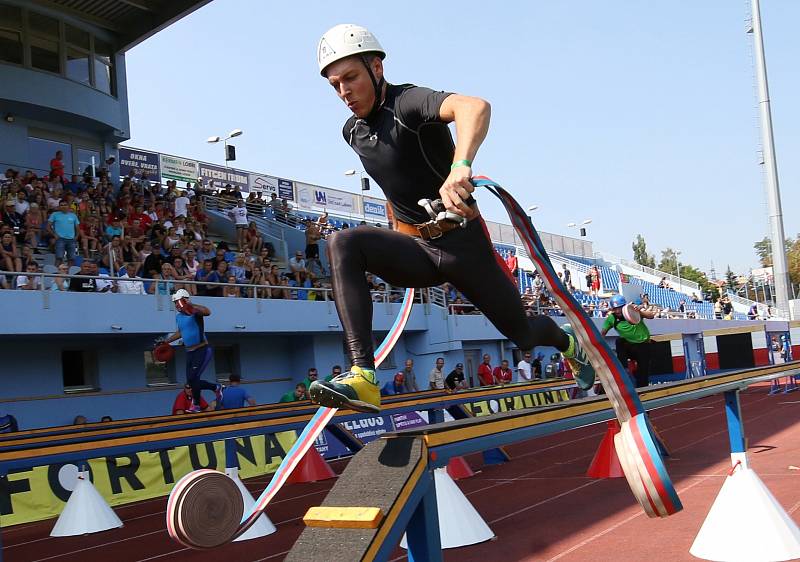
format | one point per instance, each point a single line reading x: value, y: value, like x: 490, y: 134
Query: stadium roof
x: 132, y: 21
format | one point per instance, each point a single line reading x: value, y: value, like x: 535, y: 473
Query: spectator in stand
x: 235, y: 396
x: 31, y: 281
x: 207, y: 251
x: 695, y: 298
x: 436, y: 378
x: 14, y: 222
x: 238, y: 215
x: 485, y: 371
x: 312, y: 375
x: 232, y: 289
x: 336, y: 370
x: 9, y: 253
x: 297, y: 266
x: 395, y: 386
x: 239, y: 268
x: 524, y: 368
x: 718, y: 309
x: 21, y: 204
x: 84, y: 285
x: 181, y: 205
x: 727, y: 308
x: 252, y: 238
x: 183, y: 402
x: 33, y: 225
x: 63, y: 224
x: 752, y: 314
x: 57, y: 166
x: 313, y: 235
x: 502, y: 374
x: 218, y: 275
x: 410, y: 377
x: 567, y: 277
x: 537, y: 366
x: 296, y: 395
x: 455, y: 380
x: 61, y: 283
x: 129, y: 287
x: 594, y: 277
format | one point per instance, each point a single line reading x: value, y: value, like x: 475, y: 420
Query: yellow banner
x: 507, y: 404
x: 36, y: 494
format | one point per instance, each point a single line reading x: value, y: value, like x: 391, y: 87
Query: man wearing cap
x: 455, y: 380
x: 297, y: 265
x: 401, y: 135
x: 634, y: 338
x: 395, y: 386
x: 190, y: 323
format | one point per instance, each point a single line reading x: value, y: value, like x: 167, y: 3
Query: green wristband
x: 458, y: 163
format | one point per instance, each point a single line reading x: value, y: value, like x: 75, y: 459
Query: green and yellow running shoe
x: 582, y: 370
x: 357, y: 390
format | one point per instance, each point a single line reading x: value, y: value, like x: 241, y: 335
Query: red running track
x: 540, y: 505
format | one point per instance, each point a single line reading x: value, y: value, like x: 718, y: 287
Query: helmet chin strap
x: 378, y: 85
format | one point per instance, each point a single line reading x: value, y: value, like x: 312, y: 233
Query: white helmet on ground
x: 345, y: 40
x: 180, y: 294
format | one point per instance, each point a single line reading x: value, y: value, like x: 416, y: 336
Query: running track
x: 540, y: 505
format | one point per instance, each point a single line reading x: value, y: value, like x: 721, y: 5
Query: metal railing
x: 649, y: 270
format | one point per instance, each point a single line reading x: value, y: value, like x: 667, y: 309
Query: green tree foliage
x: 640, y: 254
x: 730, y: 279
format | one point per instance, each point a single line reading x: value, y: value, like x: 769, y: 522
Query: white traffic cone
x: 86, y: 510
x: 263, y: 526
x: 746, y: 523
x: 459, y: 523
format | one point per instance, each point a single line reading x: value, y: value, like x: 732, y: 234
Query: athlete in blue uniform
x: 189, y: 321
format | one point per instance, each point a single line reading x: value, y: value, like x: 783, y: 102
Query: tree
x: 763, y: 250
x: 730, y: 279
x: 669, y: 261
x: 640, y: 254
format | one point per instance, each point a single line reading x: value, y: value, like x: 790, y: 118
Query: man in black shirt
x: 401, y: 135
x: 455, y: 380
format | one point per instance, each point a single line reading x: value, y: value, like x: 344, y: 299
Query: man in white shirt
x: 239, y: 217
x: 297, y: 265
x: 31, y: 281
x: 181, y: 205
x: 524, y: 368
x: 436, y: 377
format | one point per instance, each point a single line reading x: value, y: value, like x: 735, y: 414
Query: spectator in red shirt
x: 502, y: 374
x: 57, y: 166
x: 183, y: 402
x: 485, y: 371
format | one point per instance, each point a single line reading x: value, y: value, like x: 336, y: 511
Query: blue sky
x: 639, y: 115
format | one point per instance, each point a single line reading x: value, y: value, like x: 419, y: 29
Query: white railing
x: 655, y: 273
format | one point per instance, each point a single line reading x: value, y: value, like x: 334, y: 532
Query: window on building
x: 78, y: 66
x: 225, y: 361
x: 41, y: 151
x: 44, y: 39
x: 11, y: 34
x: 103, y: 75
x: 85, y: 164
x: 158, y: 374
x: 79, y: 370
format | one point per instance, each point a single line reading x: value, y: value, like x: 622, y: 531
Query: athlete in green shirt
x: 633, y: 341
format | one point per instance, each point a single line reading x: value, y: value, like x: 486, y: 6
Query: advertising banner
x: 37, y: 493
x: 176, y: 168
x: 264, y: 184
x: 286, y: 189
x: 219, y: 176
x: 314, y: 197
x: 139, y: 161
x: 374, y: 207
x: 507, y: 404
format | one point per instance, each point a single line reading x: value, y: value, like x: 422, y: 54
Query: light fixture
x: 213, y: 139
x: 235, y: 133
x: 116, y: 327
x: 532, y: 208
x: 350, y: 172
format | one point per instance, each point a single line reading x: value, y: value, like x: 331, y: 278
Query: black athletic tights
x: 464, y: 257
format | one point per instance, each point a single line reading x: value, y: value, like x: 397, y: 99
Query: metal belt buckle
x: 432, y: 229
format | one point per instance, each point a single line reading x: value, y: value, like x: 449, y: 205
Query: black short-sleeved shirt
x: 405, y: 147
x: 454, y: 379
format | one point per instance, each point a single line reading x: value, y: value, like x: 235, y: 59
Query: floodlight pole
x: 779, y: 267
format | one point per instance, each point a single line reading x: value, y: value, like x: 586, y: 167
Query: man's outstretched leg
x: 397, y: 259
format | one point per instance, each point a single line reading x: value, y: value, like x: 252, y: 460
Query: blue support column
x: 733, y: 413
x: 231, y: 458
x: 435, y: 415
x: 422, y: 532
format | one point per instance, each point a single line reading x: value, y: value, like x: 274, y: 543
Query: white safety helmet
x: 345, y: 40
x: 180, y: 294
